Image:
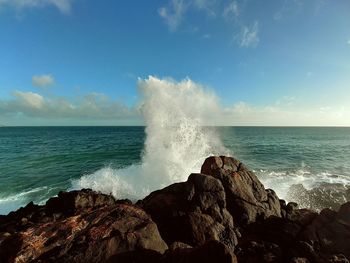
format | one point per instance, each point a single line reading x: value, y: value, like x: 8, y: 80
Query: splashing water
x: 176, y: 144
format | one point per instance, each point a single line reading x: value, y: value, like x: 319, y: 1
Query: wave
x: 176, y: 142
x: 315, y: 190
x: 13, y: 201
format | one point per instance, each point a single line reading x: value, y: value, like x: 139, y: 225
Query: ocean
x: 38, y: 162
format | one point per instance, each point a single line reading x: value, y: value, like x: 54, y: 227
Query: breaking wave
x: 177, y: 141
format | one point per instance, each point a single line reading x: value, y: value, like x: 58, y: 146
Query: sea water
x: 130, y: 162
x: 38, y: 162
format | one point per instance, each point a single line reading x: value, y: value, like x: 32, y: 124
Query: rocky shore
x: 222, y: 214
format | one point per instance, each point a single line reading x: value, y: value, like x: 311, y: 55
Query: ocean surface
x: 38, y: 162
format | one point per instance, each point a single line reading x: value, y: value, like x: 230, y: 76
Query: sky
x: 80, y: 62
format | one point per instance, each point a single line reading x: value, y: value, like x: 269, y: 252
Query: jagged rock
x: 338, y: 259
x: 68, y: 203
x: 302, y: 234
x: 212, y: 251
x: 94, y: 235
x: 247, y: 199
x: 178, y: 245
x: 331, y: 230
x: 192, y: 212
x: 299, y: 260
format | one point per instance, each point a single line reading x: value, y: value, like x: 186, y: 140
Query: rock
x: 247, y: 199
x: 214, y: 216
x: 137, y: 256
x: 299, y: 260
x: 192, y: 212
x: 338, y: 259
x: 212, y: 251
x: 70, y: 203
x: 259, y: 251
x: 302, y: 217
x: 291, y: 206
x: 92, y: 236
x: 331, y: 230
x: 178, y: 245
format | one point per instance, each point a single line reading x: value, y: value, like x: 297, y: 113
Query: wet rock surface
x: 223, y: 214
x: 192, y: 212
x: 247, y: 199
x: 92, y: 230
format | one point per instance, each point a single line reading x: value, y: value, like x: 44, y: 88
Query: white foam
x: 12, y: 202
x: 176, y: 142
x: 281, y: 181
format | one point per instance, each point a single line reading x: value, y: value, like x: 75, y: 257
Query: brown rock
x: 246, y: 198
x: 331, y: 231
x: 70, y: 203
x: 212, y: 251
x: 193, y: 212
x: 209, y: 252
x: 92, y: 236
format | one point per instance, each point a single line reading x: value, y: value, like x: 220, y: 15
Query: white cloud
x: 348, y: 41
x: 42, y: 81
x: 249, y: 36
x: 173, y: 15
x: 92, y: 106
x: 29, y: 99
x: 64, y: 6
x: 231, y: 10
x: 244, y: 114
x: 97, y: 108
x: 206, y: 5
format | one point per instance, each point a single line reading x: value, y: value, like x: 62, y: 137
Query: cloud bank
x: 92, y: 106
x: 96, y: 108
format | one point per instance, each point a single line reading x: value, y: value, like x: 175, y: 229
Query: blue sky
x: 275, y: 58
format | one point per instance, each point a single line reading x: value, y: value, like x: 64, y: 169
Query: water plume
x: 177, y: 141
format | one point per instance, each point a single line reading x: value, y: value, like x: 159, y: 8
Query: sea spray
x: 177, y: 141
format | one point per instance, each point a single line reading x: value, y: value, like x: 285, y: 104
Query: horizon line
x: 238, y: 126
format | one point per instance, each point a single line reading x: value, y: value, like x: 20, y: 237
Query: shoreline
x: 222, y: 214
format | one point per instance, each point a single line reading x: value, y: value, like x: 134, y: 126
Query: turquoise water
x: 37, y: 162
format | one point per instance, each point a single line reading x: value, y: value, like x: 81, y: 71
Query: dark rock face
x: 87, y: 235
x: 247, y: 199
x: 331, y: 231
x: 223, y: 214
x: 68, y: 203
x: 212, y: 251
x: 193, y: 212
x: 303, y: 235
